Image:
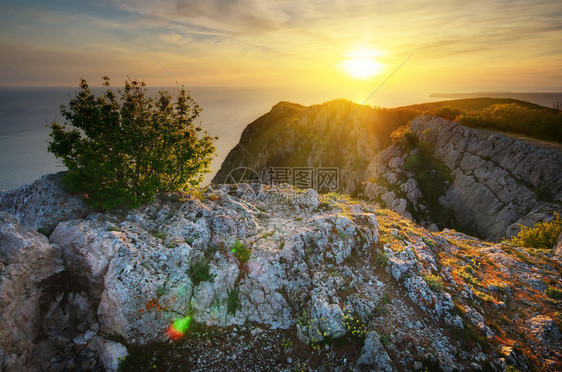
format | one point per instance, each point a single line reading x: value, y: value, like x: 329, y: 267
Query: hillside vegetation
x: 502, y: 114
x: 338, y: 134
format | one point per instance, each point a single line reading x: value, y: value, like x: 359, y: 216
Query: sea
x: 26, y: 113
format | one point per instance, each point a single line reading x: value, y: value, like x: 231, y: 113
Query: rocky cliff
x: 264, y: 278
x: 337, y: 134
x: 488, y: 183
x: 496, y: 181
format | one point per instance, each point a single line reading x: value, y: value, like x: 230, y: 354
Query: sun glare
x: 362, y: 63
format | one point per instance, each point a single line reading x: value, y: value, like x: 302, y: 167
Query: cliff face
x: 337, y: 134
x: 496, y: 181
x: 330, y: 283
x: 492, y: 182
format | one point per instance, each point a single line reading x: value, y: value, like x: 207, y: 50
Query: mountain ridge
x: 356, y: 134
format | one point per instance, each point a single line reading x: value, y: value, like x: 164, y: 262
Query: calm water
x: 26, y: 112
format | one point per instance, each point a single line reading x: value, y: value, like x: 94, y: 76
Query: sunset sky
x: 457, y: 46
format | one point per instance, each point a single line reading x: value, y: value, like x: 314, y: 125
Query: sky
x: 452, y: 46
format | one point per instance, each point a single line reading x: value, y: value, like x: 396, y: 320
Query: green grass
x: 502, y: 114
x: 553, y: 292
x: 241, y: 252
x: 200, y: 271
x: 471, y: 104
x: 434, y: 282
x: 267, y: 235
x: 158, y: 234
x: 512, y: 118
x: 161, y: 290
x: 466, y: 273
x: 381, y: 259
x: 233, y: 302
x: 429, y: 243
x: 385, y: 339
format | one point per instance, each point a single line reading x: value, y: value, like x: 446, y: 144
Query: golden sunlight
x: 362, y: 63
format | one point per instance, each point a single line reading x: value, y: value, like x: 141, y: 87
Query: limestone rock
x: 43, y: 204
x: 373, y: 355
x: 87, y: 248
x: 28, y: 262
x: 312, y: 270
x: 496, y: 177
x: 544, y: 329
x: 110, y: 353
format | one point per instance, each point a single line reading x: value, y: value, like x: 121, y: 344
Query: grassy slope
x: 472, y: 104
x: 500, y: 114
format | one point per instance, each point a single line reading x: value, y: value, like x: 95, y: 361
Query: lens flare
x: 177, y: 329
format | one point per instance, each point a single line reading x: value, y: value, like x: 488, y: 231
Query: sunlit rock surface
x: 330, y: 282
x: 499, y: 181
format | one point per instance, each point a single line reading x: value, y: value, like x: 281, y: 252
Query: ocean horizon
x: 25, y: 115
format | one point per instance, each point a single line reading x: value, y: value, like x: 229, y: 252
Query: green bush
x: 241, y: 252
x: 233, y: 301
x: 381, y: 259
x: 434, y: 282
x: 200, y: 271
x: 542, y: 235
x: 554, y: 292
x: 354, y: 325
x: 432, y: 176
x: 446, y: 112
x: 122, y: 151
x: 543, y: 193
x: 404, y: 137
x: 414, y: 162
x: 540, y: 123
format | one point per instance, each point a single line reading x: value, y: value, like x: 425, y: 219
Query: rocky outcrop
x: 43, y: 203
x: 337, y: 134
x: 48, y: 314
x: 317, y: 273
x: 28, y: 262
x: 495, y: 181
x: 498, y: 181
x: 374, y: 356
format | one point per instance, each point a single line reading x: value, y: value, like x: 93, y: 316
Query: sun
x: 362, y: 63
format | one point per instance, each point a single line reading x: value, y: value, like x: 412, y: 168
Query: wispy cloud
x: 289, y: 38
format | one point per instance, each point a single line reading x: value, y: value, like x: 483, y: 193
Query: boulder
x: 109, y: 353
x: 373, y: 355
x: 28, y: 265
x: 544, y: 329
x: 43, y: 204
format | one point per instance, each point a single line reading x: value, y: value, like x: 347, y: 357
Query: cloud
x: 173, y: 38
x: 218, y: 16
x: 288, y: 37
x: 264, y: 22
